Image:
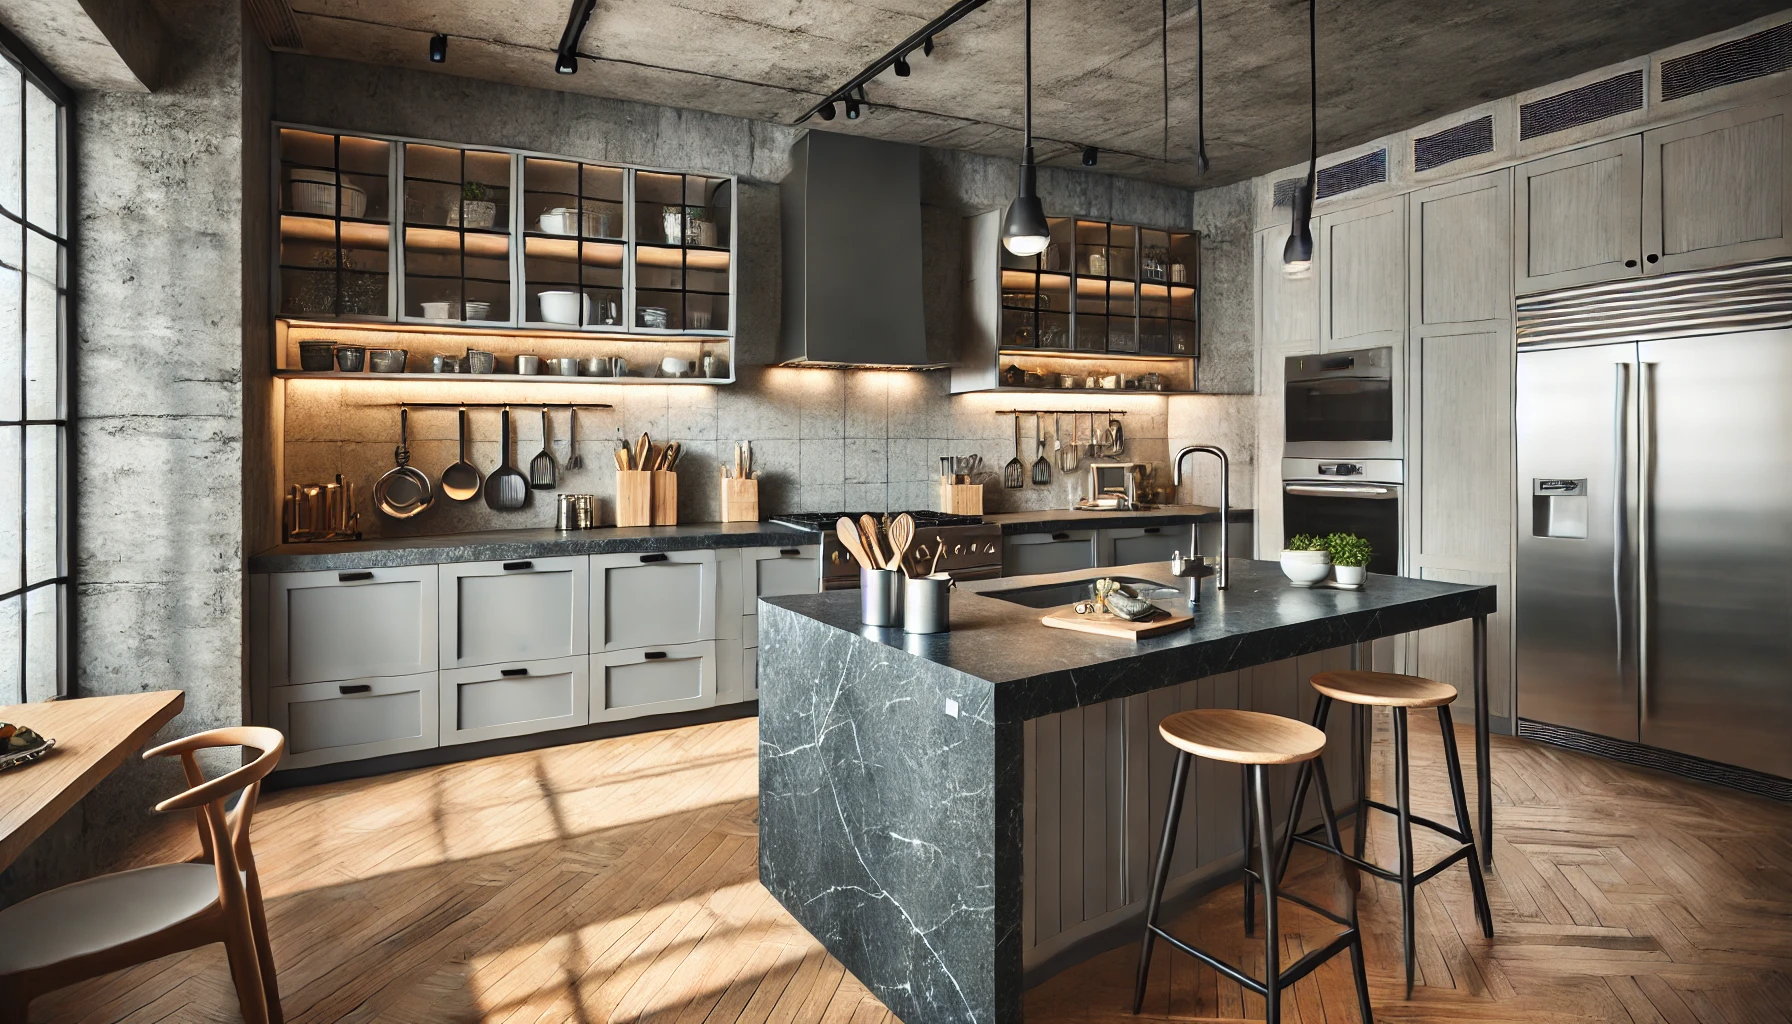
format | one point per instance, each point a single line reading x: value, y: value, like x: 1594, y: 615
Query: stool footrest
x: 1435, y: 826
x: 1465, y: 850
x: 1212, y: 961
x: 1316, y: 908
x: 1377, y: 870
x: 1286, y: 979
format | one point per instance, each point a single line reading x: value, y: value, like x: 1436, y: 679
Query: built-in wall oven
x: 1342, y: 405
x: 1361, y: 496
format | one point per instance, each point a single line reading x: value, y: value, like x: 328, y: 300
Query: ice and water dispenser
x: 1559, y: 508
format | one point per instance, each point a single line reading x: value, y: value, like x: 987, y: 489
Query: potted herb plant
x: 1350, y: 558
x: 1305, y: 560
x: 477, y: 210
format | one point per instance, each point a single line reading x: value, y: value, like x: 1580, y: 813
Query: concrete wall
x: 824, y: 439
x: 158, y: 437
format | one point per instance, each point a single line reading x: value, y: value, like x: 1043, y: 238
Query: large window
x: 34, y: 471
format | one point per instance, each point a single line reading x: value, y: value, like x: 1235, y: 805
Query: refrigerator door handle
x: 1620, y: 489
x: 1645, y: 500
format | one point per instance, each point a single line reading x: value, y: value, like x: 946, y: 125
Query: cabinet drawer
x: 346, y: 625
x: 749, y: 631
x: 749, y: 674
x: 1029, y: 553
x: 628, y: 684
x: 776, y: 572
x: 351, y: 719
x: 523, y: 610
x: 513, y: 699
x: 1145, y: 544
x: 652, y: 600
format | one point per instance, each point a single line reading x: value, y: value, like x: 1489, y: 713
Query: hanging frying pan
x: 403, y: 491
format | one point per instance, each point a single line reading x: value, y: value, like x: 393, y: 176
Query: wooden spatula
x: 868, y: 531
x: 848, y: 532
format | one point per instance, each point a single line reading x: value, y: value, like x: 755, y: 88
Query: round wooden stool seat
x: 1242, y: 737
x: 1384, y: 689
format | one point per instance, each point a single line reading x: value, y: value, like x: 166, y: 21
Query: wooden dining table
x: 93, y: 736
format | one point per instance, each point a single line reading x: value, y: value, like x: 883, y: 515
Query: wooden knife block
x: 740, y: 500
x: 960, y: 499
x: 665, y: 497
x: 634, y: 497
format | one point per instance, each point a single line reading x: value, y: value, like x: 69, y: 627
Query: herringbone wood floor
x: 616, y: 881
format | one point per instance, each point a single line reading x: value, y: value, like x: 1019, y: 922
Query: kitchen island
x: 921, y: 806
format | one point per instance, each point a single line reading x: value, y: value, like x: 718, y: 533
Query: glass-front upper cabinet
x: 1167, y: 318
x: 335, y: 235
x: 456, y: 234
x: 1106, y: 287
x: 1036, y: 293
x: 575, y: 240
x: 683, y: 273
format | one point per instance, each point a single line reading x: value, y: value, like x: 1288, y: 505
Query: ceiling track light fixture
x: 1090, y: 155
x: 438, y: 48
x: 1024, y: 230
x: 1200, y: 90
x: 566, y: 55
x: 897, y: 58
x: 1297, y: 253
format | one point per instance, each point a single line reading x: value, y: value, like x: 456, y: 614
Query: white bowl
x: 559, y: 221
x: 1305, y: 568
x: 440, y: 311
x: 563, y: 307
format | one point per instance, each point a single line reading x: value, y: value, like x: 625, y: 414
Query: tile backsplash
x: 823, y: 440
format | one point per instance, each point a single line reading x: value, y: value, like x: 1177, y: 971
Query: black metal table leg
x: 1272, y: 943
x: 1483, y: 769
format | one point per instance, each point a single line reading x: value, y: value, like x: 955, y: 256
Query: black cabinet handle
x: 654, y: 655
x: 353, y: 577
x: 656, y: 557
x: 513, y: 672
x: 1630, y: 263
x: 1060, y: 536
x: 1652, y: 258
x: 513, y: 566
x: 1154, y: 529
x: 790, y: 551
x: 356, y: 688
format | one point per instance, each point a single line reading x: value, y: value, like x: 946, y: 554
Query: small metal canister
x: 926, y: 606
x: 566, y: 512
x: 587, y: 511
x: 880, y: 596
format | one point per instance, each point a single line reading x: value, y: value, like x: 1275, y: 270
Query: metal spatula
x: 543, y: 472
x: 1042, y: 466
x: 1014, y: 472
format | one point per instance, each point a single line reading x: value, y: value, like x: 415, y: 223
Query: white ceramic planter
x: 1349, y: 575
x: 1305, y: 568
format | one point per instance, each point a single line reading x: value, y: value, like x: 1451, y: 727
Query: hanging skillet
x: 403, y: 491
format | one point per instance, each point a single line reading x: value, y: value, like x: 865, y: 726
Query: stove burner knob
x: 958, y: 549
x: 990, y: 550
x: 835, y: 558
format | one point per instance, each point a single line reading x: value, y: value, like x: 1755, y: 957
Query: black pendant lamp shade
x: 1297, y: 253
x: 1024, y: 230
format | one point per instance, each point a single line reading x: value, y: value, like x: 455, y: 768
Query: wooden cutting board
x: 1104, y: 624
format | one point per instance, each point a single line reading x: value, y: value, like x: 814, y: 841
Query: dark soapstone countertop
x: 1261, y: 618
x: 499, y: 545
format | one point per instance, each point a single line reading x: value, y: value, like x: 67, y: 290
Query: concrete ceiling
x: 1098, y: 71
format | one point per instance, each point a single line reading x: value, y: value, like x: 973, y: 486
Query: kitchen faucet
x: 1223, y: 578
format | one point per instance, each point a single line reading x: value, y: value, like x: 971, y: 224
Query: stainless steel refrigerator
x: 1654, y: 600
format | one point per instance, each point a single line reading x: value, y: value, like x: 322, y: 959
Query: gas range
x: 972, y: 548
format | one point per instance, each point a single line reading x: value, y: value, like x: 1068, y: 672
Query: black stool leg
x: 1453, y: 762
x: 1403, y: 801
x: 1362, y: 724
x: 1244, y: 803
x: 1302, y: 779
x: 1336, y: 838
x: 1171, y: 819
x: 1272, y: 961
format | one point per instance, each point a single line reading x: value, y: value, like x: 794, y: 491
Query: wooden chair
x: 104, y: 924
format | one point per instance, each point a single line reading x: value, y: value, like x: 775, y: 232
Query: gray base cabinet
x: 492, y: 701
x: 523, y: 610
x: 653, y: 681
x: 352, y: 719
x: 347, y: 625
x: 1027, y: 554
x: 652, y: 600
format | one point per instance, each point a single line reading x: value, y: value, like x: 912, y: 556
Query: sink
x: 1053, y: 595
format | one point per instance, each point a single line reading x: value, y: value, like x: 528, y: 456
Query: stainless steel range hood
x: 852, y: 255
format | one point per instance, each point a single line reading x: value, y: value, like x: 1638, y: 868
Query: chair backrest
x: 208, y: 796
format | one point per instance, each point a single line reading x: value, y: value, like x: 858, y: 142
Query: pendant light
x: 1024, y: 230
x: 1297, y: 254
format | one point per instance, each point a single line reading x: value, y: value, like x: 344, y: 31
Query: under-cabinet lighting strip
x: 483, y: 405
x: 1058, y: 412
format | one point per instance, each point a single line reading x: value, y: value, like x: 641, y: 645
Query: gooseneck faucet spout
x: 1224, y: 578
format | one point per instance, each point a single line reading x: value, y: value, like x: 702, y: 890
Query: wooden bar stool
x: 1254, y: 740
x: 1401, y: 693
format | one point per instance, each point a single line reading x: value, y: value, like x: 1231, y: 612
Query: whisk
x: 573, y: 459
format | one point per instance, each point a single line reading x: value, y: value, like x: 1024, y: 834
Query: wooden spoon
x: 902, y: 534
x: 868, y: 530
x: 848, y: 532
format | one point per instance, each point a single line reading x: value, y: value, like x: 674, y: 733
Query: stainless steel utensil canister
x: 566, y: 512
x: 926, y: 604
x: 587, y: 511
x: 880, y: 596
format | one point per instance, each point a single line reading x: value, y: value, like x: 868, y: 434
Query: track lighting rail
x: 920, y: 39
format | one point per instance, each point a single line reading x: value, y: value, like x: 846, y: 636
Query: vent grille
x: 1368, y: 169
x: 278, y: 27
x: 1597, y: 101
x: 1685, y: 765
x: 1746, y: 297
x: 1471, y: 138
x: 1285, y: 191
x: 1728, y: 63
